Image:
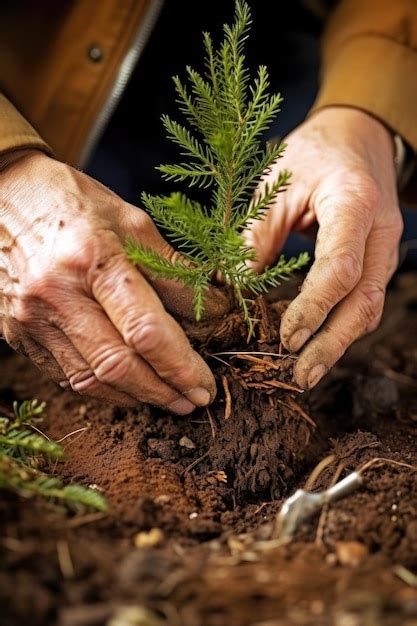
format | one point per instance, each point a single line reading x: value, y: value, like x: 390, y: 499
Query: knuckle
x: 342, y: 340
x: 372, y: 325
x: 113, y: 366
x: 37, y: 299
x: 83, y: 251
x: 40, y: 285
x: 371, y: 304
x: 83, y: 382
x: 137, y: 221
x: 346, y: 269
x: 393, y: 262
x: 397, y: 227
x: 183, y: 372
x: 12, y: 336
x: 364, y: 191
x: 144, y: 333
x: 101, y: 271
x: 23, y: 312
x: 143, y: 222
x: 389, y: 233
x: 173, y: 256
x: 370, y: 192
x: 76, y: 250
x: 320, y: 305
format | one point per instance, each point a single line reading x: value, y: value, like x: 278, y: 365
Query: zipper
x: 124, y: 73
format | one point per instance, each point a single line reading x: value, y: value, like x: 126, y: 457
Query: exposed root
x: 278, y: 384
x: 320, y: 467
x: 260, y: 440
x: 294, y: 405
x: 228, y: 398
x: 254, y: 359
x: 379, y: 461
x: 400, y: 378
x: 211, y: 420
x: 193, y: 465
x: 64, y: 559
x: 74, y: 432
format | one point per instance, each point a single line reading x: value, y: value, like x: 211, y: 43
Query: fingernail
x: 315, y: 375
x: 298, y: 339
x: 198, y: 396
x: 181, y: 406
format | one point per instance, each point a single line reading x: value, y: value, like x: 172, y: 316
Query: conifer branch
x: 229, y: 115
x: 20, y: 453
x: 21, y: 443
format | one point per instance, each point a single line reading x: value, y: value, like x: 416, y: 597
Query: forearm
x: 16, y: 133
x: 369, y: 61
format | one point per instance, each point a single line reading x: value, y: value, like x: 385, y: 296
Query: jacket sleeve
x: 15, y: 132
x: 369, y: 61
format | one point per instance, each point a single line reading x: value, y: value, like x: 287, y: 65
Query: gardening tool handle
x: 344, y: 487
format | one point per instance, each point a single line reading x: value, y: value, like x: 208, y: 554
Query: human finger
x: 38, y: 354
x: 138, y: 315
x: 344, y: 225
x: 113, y: 363
x: 358, y: 314
x: 76, y: 373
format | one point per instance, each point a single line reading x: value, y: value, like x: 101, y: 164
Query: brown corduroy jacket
x: 63, y: 66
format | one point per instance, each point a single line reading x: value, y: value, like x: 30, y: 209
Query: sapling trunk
x: 223, y: 150
x: 263, y: 435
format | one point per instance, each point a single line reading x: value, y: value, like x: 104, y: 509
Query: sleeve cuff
x: 376, y: 75
x: 16, y: 133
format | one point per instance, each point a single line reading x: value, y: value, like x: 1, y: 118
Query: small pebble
x: 163, y: 499
x: 186, y: 442
x: 193, y: 515
x: 95, y: 487
x: 331, y: 559
x: 134, y: 616
x: 149, y: 539
x: 351, y: 553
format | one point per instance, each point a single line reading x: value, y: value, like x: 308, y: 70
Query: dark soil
x: 213, y: 482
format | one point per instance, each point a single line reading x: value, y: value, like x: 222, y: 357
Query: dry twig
x: 64, y: 559
x: 383, y: 461
x: 297, y: 408
x: 210, y: 419
x: 319, y: 468
x: 194, y: 464
x: 228, y: 398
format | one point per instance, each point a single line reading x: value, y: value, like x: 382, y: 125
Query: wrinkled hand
x: 72, y: 302
x: 343, y: 178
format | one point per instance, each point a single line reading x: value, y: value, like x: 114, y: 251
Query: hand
x: 72, y: 302
x: 343, y: 178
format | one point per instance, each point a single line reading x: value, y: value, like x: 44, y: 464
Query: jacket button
x: 95, y: 53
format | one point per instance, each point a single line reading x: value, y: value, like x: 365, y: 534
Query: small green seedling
x: 222, y: 149
x: 23, y: 446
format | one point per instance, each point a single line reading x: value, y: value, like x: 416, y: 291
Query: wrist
x: 361, y: 131
x: 380, y: 137
x: 9, y: 158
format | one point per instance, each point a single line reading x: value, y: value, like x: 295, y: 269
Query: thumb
x: 176, y: 297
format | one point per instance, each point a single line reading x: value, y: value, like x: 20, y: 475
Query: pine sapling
x: 22, y: 445
x: 227, y: 114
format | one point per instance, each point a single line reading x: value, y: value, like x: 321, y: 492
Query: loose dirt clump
x: 212, y: 484
x: 261, y: 436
